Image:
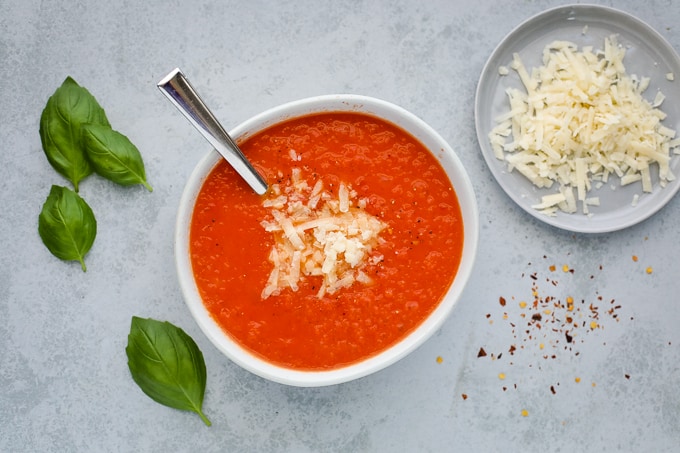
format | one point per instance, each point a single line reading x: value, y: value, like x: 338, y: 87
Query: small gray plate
x: 648, y: 54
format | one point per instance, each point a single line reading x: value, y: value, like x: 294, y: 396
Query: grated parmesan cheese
x: 579, y: 120
x: 317, y: 235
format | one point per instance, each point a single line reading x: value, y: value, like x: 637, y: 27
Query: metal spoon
x: 180, y: 92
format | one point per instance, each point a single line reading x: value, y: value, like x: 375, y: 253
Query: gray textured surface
x: 64, y: 382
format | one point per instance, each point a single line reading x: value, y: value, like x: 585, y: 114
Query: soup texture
x: 355, y: 244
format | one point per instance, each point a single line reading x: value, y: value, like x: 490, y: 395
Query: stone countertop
x: 64, y: 380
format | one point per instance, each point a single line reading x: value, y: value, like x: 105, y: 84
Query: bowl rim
x: 319, y: 104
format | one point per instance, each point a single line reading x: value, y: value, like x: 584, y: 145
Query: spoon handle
x: 180, y: 92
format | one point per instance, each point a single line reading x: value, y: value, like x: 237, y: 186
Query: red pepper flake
x: 481, y: 353
x: 464, y: 395
x: 627, y: 376
x: 553, y: 322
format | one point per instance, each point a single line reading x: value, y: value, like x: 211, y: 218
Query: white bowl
x: 330, y: 103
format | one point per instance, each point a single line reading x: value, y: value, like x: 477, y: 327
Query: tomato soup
x: 386, y: 176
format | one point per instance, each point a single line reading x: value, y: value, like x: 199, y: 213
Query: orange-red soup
x: 407, y: 189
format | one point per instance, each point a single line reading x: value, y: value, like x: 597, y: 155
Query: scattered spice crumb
x: 649, y: 270
x: 525, y: 413
x: 627, y: 376
x: 555, y: 322
x: 464, y: 395
x: 439, y: 359
x: 635, y: 258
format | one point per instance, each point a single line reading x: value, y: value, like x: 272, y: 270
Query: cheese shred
x: 579, y: 119
x: 317, y: 234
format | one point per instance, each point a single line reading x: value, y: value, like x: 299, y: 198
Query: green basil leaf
x: 66, y: 111
x: 67, y: 225
x: 113, y: 155
x: 167, y: 365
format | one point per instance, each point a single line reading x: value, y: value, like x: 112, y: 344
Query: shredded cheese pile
x: 581, y: 120
x: 316, y: 234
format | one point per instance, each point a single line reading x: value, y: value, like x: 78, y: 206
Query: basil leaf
x: 67, y: 225
x: 167, y: 365
x: 66, y: 111
x: 113, y: 155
